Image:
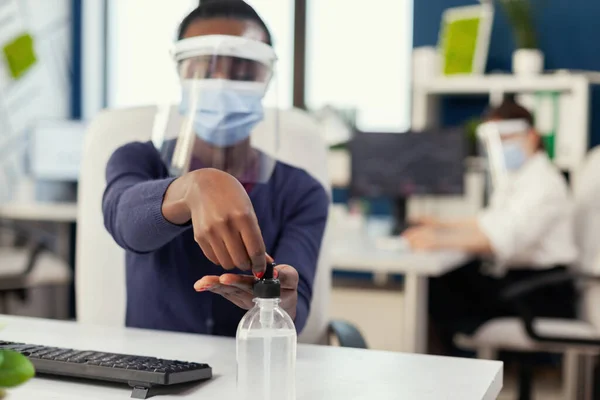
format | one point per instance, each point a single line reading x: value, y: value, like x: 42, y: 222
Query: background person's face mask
x: 514, y: 155
x: 225, y: 111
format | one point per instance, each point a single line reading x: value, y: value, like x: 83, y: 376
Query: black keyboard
x: 141, y: 373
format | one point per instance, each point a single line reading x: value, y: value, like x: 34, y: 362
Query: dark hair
x: 509, y: 109
x: 234, y: 9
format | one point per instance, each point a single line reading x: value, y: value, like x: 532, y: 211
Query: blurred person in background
x: 201, y: 211
x: 526, y: 231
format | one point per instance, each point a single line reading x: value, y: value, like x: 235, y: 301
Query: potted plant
x: 15, y: 369
x: 527, y: 59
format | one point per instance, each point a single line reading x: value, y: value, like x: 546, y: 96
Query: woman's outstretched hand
x: 238, y: 288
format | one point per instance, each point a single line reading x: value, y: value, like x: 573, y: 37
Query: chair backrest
x: 587, y: 226
x: 100, y: 263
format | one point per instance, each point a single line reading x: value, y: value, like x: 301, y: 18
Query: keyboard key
x: 26, y: 347
x: 54, y: 354
x: 81, y: 357
x: 67, y: 355
x: 43, y: 352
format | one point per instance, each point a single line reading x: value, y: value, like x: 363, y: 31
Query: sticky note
x: 20, y: 55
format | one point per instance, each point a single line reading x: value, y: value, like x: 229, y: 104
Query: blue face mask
x: 514, y: 156
x: 226, y: 111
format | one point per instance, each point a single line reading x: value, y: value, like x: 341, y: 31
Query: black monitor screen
x: 412, y: 163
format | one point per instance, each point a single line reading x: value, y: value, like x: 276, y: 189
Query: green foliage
x: 471, y: 128
x: 471, y: 132
x: 15, y: 369
x: 520, y: 14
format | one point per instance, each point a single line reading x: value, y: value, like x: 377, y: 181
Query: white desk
x: 353, y: 252
x: 40, y: 211
x: 330, y: 373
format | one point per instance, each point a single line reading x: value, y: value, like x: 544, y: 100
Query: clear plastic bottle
x: 266, y: 346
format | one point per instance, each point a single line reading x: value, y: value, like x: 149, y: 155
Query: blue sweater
x: 163, y: 261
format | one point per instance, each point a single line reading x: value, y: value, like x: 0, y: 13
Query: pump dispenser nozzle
x: 267, y: 287
x: 269, y: 271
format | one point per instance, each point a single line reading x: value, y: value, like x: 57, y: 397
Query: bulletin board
x: 35, y: 59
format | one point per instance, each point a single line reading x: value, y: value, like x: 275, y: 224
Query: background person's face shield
x: 502, y: 144
x: 220, y: 122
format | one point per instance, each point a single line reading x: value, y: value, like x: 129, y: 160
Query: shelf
x: 487, y: 84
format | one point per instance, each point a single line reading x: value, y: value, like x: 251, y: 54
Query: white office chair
x: 573, y: 338
x: 100, y: 263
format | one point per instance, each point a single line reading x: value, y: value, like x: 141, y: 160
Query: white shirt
x: 530, y: 218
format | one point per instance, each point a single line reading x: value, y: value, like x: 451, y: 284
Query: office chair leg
x: 61, y: 301
x: 596, y: 381
x: 3, y: 303
x: 587, y: 375
x: 525, y: 379
x: 570, y: 375
x: 487, y: 353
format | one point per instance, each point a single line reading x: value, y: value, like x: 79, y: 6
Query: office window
x: 141, y: 33
x: 359, y: 57
x: 279, y: 17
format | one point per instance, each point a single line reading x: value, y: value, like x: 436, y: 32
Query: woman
x: 525, y: 232
x: 204, y: 210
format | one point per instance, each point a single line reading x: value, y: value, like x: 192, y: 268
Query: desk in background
x: 40, y: 211
x: 331, y: 373
x: 352, y: 251
x: 62, y: 214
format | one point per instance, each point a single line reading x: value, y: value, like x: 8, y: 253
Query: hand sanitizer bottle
x: 266, y: 346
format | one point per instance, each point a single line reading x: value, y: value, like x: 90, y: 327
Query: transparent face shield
x: 220, y: 122
x: 496, y: 137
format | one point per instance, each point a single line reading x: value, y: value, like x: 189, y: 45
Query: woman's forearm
x: 133, y: 216
x: 458, y: 223
x: 466, y: 236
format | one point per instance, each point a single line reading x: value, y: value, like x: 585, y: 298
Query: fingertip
x: 287, y: 275
x: 258, y: 269
x: 259, y: 275
x: 201, y: 286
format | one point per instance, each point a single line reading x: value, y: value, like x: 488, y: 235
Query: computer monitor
x: 400, y: 165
